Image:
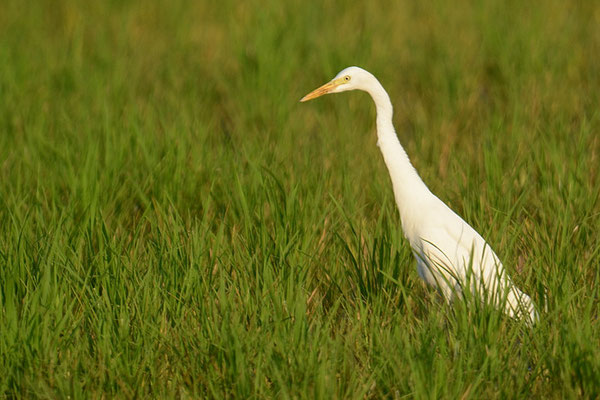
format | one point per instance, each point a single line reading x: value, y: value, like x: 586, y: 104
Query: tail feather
x: 520, y: 306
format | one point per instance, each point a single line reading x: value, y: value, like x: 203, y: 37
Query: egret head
x: 350, y: 78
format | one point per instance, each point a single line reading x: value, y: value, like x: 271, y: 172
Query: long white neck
x: 409, y: 189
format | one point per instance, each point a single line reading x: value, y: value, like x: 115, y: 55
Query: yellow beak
x: 326, y: 88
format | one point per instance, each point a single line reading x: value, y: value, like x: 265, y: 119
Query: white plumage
x: 450, y: 254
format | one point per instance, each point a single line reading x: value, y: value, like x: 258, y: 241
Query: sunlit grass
x: 174, y: 224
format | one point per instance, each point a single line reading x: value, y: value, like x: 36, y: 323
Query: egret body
x: 450, y: 254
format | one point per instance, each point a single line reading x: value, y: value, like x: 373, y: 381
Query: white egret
x: 450, y: 254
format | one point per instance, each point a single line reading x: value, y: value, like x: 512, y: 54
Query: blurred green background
x: 174, y: 223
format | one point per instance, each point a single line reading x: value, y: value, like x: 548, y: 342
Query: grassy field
x: 175, y: 224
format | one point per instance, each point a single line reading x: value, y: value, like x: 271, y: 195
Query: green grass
x: 174, y: 224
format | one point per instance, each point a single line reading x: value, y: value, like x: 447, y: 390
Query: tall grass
x: 174, y: 224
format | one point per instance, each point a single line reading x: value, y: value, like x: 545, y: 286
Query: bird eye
x: 347, y: 78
